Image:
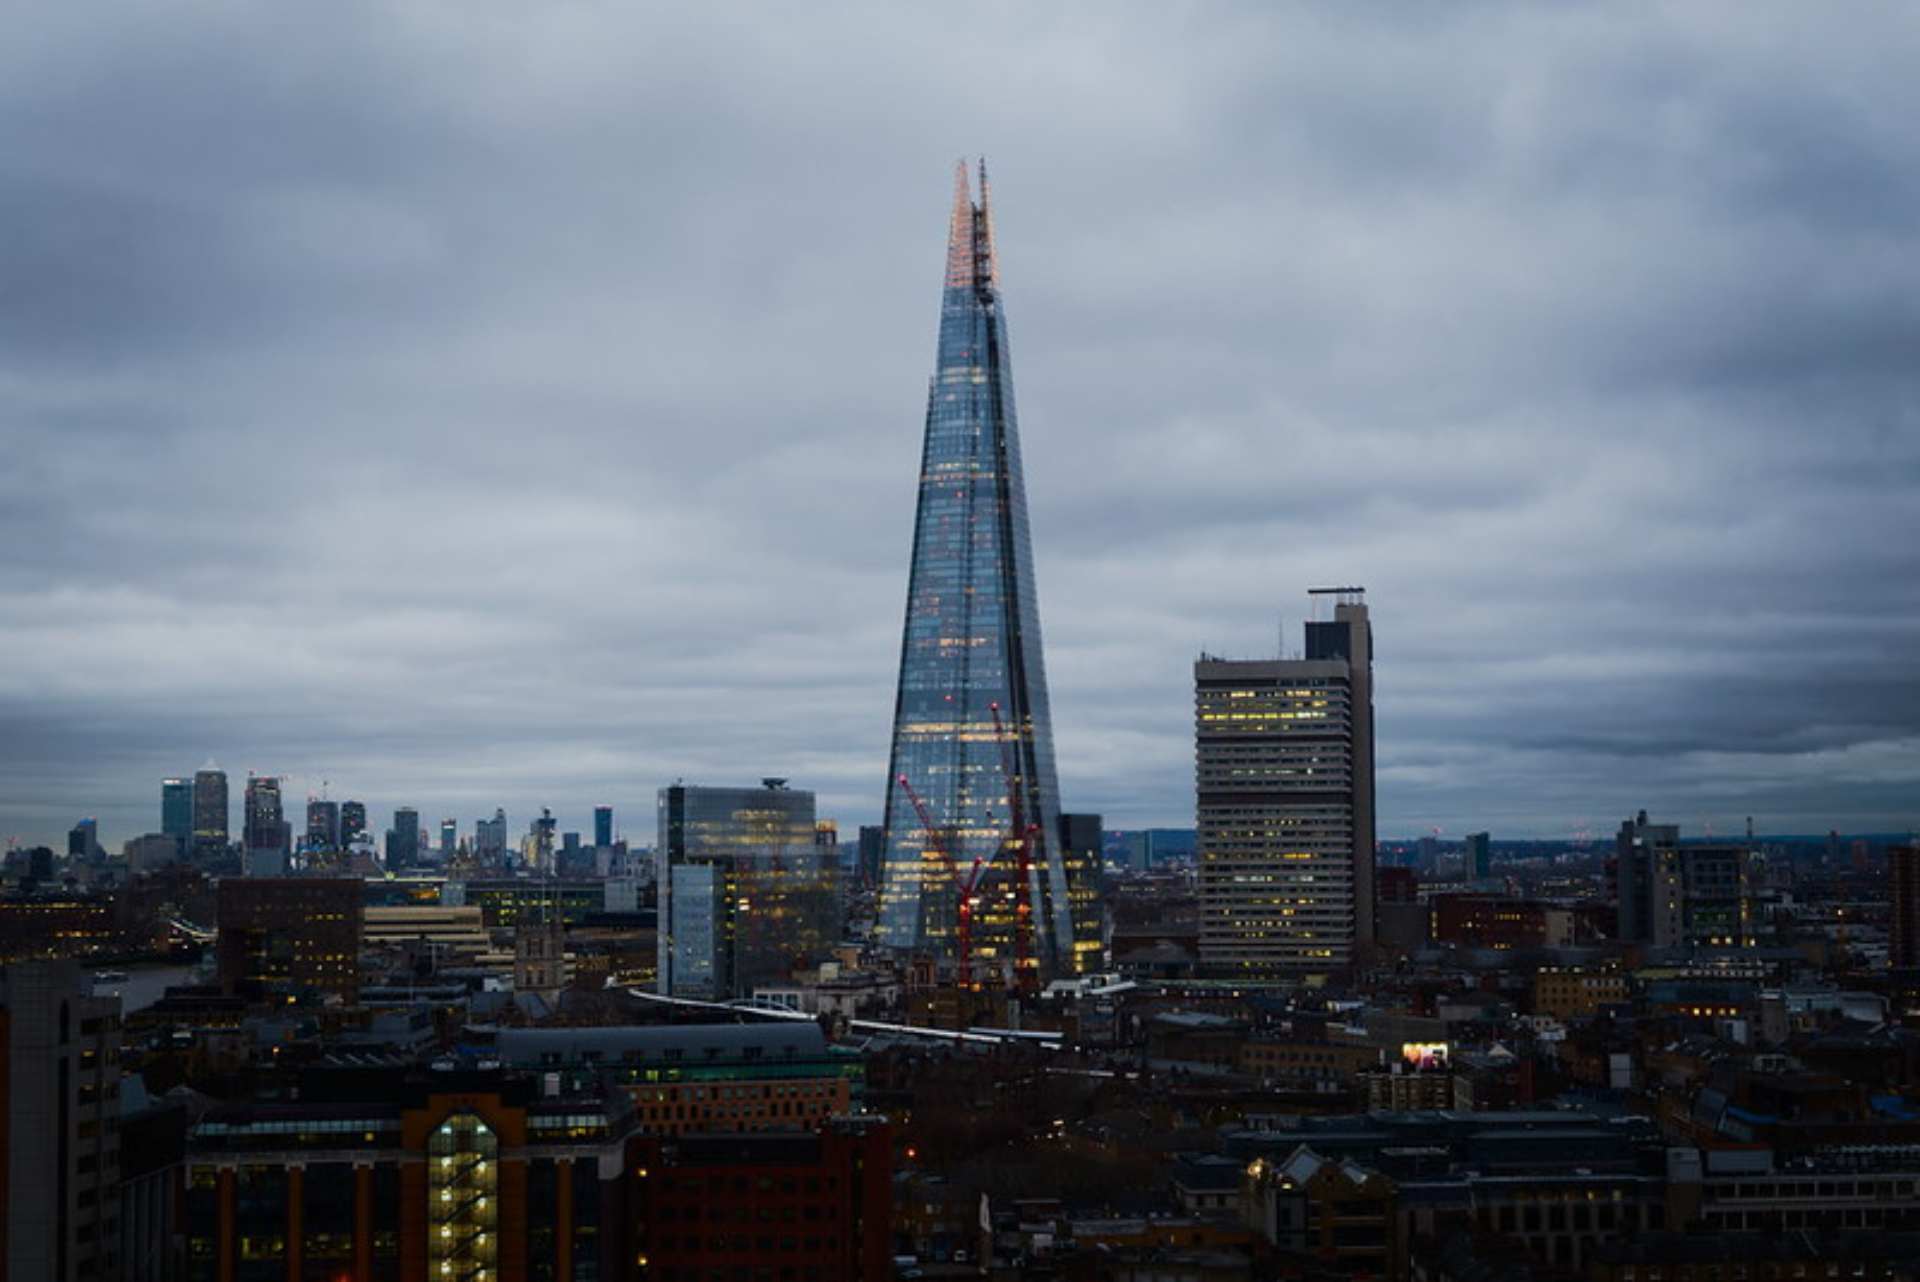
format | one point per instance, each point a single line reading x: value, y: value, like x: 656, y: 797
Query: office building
x: 449, y: 839
x: 289, y: 935
x: 83, y: 840
x: 210, y: 810
x: 176, y: 812
x: 1716, y: 896
x: 476, y: 1176
x: 150, y: 852
x: 323, y: 824
x: 1647, y: 882
x: 1477, y: 856
x: 490, y: 839
x: 694, y: 1079
x: 1903, y: 889
x: 745, y: 893
x: 502, y: 1176
x: 1671, y: 896
x: 536, y: 851
x: 1499, y: 922
x: 266, y: 836
x: 403, y: 839
x: 821, y: 1202
x: 59, y: 1101
x: 972, y: 734
x: 1082, y: 842
x: 603, y: 825
x: 869, y: 859
x: 353, y: 822
x: 1284, y: 803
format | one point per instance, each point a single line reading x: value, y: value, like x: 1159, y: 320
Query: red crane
x: 967, y: 885
x: 1021, y: 834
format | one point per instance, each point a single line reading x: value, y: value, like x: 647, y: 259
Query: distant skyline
x: 513, y: 410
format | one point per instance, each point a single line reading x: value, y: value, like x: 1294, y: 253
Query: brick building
x: 497, y: 1176
x: 289, y: 934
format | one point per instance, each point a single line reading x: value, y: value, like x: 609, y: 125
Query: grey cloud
x: 483, y: 407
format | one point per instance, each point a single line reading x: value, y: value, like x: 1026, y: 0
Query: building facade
x: 744, y: 889
x: 1284, y: 804
x: 264, y: 830
x: 1903, y: 887
x: 702, y: 1079
x: 353, y: 822
x: 290, y: 934
x: 59, y: 1101
x: 323, y: 824
x: 210, y: 810
x: 1672, y: 896
x: 1477, y: 856
x: 801, y: 1207
x: 176, y: 812
x: 403, y: 839
x: 970, y: 780
x: 496, y: 1176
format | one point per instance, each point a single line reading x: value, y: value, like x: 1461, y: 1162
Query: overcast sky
x: 504, y: 404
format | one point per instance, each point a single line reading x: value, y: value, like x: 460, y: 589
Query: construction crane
x: 1020, y: 833
x: 967, y: 885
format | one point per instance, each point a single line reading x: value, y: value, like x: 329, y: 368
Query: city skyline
x: 1593, y: 373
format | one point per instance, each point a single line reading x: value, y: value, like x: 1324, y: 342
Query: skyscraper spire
x: 960, y: 231
x: 971, y: 784
x: 971, y: 262
x: 986, y: 261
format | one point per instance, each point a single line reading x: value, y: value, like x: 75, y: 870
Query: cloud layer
x: 473, y: 405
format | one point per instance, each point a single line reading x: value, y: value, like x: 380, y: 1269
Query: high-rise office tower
x: 1648, y: 883
x: 353, y: 822
x: 537, y: 850
x: 323, y: 824
x: 490, y: 838
x: 972, y: 734
x: 870, y: 860
x: 1082, y: 838
x: 1284, y: 803
x: 1903, y: 887
x: 176, y: 812
x: 603, y: 825
x: 449, y: 838
x: 59, y: 1125
x: 210, y: 809
x: 1477, y: 856
x: 745, y: 890
x: 403, y: 839
x: 265, y: 833
x: 83, y: 840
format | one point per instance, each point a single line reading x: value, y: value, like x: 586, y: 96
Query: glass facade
x: 971, y: 647
x: 176, y: 812
x: 745, y: 889
x: 463, y: 1206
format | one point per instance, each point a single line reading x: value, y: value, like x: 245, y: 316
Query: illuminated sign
x: 1424, y: 1055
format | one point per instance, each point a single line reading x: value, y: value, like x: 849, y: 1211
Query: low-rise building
x: 699, y: 1078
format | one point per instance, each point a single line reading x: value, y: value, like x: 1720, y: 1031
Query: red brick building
x: 803, y: 1208
x: 286, y: 934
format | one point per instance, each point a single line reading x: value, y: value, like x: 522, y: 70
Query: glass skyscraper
x: 971, y: 645
x: 746, y: 893
x: 176, y: 812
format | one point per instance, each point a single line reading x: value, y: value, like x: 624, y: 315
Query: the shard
x: 972, y: 799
